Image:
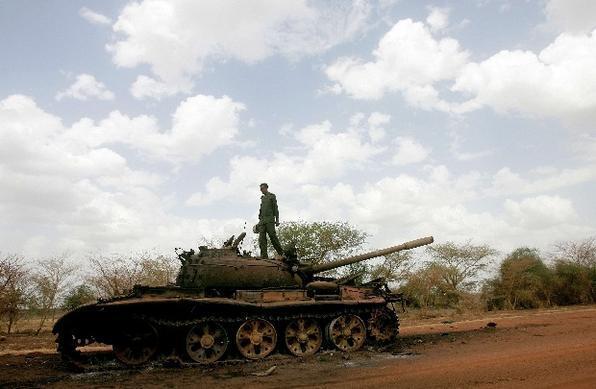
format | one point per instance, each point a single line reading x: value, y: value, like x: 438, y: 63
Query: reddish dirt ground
x: 545, y: 348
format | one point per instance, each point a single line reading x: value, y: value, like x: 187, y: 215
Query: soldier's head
x: 264, y: 188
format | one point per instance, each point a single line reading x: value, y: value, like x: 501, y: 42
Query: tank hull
x: 172, y: 312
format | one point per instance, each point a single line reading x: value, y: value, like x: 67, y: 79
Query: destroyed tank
x: 226, y: 302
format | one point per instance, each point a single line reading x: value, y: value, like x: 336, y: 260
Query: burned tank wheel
x: 383, y: 326
x: 303, y: 337
x: 67, y: 345
x: 347, y: 332
x: 206, y: 342
x: 256, y: 338
x: 135, y: 343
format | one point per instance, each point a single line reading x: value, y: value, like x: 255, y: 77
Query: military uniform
x: 268, y: 216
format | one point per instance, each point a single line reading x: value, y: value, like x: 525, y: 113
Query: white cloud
x: 200, y: 125
x: 194, y: 33
x: 409, y: 151
x: 86, y: 87
x: 540, y: 212
x: 65, y: 186
x: 576, y: 16
x: 35, y: 142
x: 558, y: 82
x: 439, y: 203
x: 394, y: 207
x: 322, y: 154
x: 69, y: 182
x: 49, y: 181
x: 94, y: 17
x: 148, y: 87
x: 376, y: 121
x: 403, y: 206
x: 505, y: 182
x: 438, y: 18
x: 408, y: 59
x: 399, y: 206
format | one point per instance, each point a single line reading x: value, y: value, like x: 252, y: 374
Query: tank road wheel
x: 67, y: 345
x: 256, y: 338
x: 206, y: 342
x: 347, y: 332
x: 383, y: 326
x: 303, y: 337
x: 136, y: 344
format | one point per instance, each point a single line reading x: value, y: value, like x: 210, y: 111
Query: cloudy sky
x: 148, y: 124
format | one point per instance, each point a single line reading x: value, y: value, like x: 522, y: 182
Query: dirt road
x: 552, y: 348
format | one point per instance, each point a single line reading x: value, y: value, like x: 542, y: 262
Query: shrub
x: 573, y: 283
x: 427, y: 287
x: 524, y: 281
x: 77, y: 296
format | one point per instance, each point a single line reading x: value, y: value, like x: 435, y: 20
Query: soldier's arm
x: 261, y: 208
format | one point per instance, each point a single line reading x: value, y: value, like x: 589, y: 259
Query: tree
x: 157, y: 270
x: 320, y: 242
x: 573, y: 283
x: 461, y: 263
x: 394, y: 268
x: 117, y: 274
x: 575, y: 271
x: 581, y: 252
x: 14, y: 281
x: 49, y: 282
x: 427, y: 287
x: 77, y: 296
x: 524, y: 281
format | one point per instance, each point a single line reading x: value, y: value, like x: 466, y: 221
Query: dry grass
x: 29, y: 324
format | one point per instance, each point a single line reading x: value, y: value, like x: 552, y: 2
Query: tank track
x: 174, y: 327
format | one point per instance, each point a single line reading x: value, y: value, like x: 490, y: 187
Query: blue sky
x: 150, y: 124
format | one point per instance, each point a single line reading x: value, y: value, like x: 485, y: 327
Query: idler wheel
x: 256, y: 338
x: 383, y: 326
x: 303, y: 337
x: 347, y: 332
x: 206, y: 342
x: 136, y: 343
x: 67, y: 345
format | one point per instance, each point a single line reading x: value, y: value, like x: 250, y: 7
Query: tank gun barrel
x: 372, y: 254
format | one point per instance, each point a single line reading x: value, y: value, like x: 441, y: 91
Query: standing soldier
x: 268, y: 219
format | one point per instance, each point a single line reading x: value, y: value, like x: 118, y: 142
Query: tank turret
x: 227, y: 269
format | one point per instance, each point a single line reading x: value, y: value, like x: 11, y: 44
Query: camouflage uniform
x: 268, y: 216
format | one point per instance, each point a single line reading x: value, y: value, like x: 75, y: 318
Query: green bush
x: 77, y: 296
x: 524, y: 281
x: 573, y: 283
